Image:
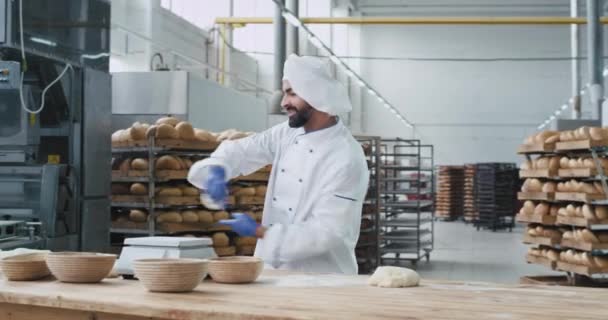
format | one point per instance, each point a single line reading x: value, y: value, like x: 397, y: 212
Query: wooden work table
x: 279, y: 295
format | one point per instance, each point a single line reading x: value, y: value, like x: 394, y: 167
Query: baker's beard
x: 301, y: 117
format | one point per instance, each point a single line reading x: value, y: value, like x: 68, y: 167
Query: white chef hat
x: 310, y: 80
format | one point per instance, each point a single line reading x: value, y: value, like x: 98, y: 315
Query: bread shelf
x: 585, y: 246
x: 578, y: 197
x: 538, y: 173
x: 580, y: 145
x: 166, y: 144
x: 250, y: 200
x: 542, y: 261
x: 580, y: 269
x: 536, y: 148
x: 545, y: 241
x: 535, y: 218
x: 542, y: 196
x: 143, y: 175
x: 581, y: 222
x: 256, y: 177
x: 164, y: 228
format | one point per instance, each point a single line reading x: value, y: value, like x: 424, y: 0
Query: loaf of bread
x: 187, y: 162
x: 220, y: 239
x: 139, y: 189
x: 116, y: 136
x: 169, y: 192
x: 541, y: 163
x: 138, y: 131
x: 588, y: 212
x: 246, y: 241
x: 601, y: 212
x: 220, y: 215
x: 205, y: 217
x: 203, y: 135
x: 165, y: 131
x: 185, y: 130
x: 542, y: 209
x: 190, y: 216
x: 137, y: 215
x: 167, y: 162
x: 549, y: 186
x: 260, y: 191
x: 526, y: 165
x: 180, y: 163
x: 248, y: 191
x: 139, y: 164
x: 168, y: 120
x: 169, y: 216
x: 528, y: 207
x: 588, y: 236
x: 532, y: 185
x: 188, y: 191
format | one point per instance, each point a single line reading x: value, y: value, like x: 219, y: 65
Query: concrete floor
x: 463, y: 253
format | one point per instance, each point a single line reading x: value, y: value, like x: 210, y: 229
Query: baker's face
x: 298, y: 110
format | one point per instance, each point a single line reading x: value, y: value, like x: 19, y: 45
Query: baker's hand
x: 215, y: 184
x: 242, y: 224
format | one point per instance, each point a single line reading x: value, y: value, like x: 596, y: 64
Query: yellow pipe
x: 417, y: 20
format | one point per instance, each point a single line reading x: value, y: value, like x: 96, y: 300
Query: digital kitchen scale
x: 162, y: 247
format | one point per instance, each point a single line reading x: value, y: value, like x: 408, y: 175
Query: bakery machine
x: 55, y: 109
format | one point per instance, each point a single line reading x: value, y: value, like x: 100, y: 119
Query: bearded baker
x: 319, y: 178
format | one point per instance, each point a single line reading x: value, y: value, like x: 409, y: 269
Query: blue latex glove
x: 215, y: 185
x: 242, y: 224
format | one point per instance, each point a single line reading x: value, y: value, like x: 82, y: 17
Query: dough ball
x: 394, y: 277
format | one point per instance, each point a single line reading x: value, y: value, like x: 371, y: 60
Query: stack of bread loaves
x: 173, y: 128
x: 583, y: 258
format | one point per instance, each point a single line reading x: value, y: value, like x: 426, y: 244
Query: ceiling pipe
x: 292, y: 31
x: 575, y: 69
x: 594, y: 62
x: 418, y: 20
x: 279, y: 58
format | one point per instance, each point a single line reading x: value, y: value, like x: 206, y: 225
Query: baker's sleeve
x: 240, y: 157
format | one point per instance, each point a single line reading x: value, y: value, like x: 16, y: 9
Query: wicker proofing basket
x: 25, y: 267
x: 170, y: 275
x: 235, y: 269
x: 80, y: 267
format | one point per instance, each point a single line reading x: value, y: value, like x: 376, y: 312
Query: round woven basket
x: 170, y: 275
x: 235, y: 269
x: 25, y: 267
x: 80, y: 267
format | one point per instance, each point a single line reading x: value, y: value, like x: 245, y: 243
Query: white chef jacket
x: 315, y: 194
